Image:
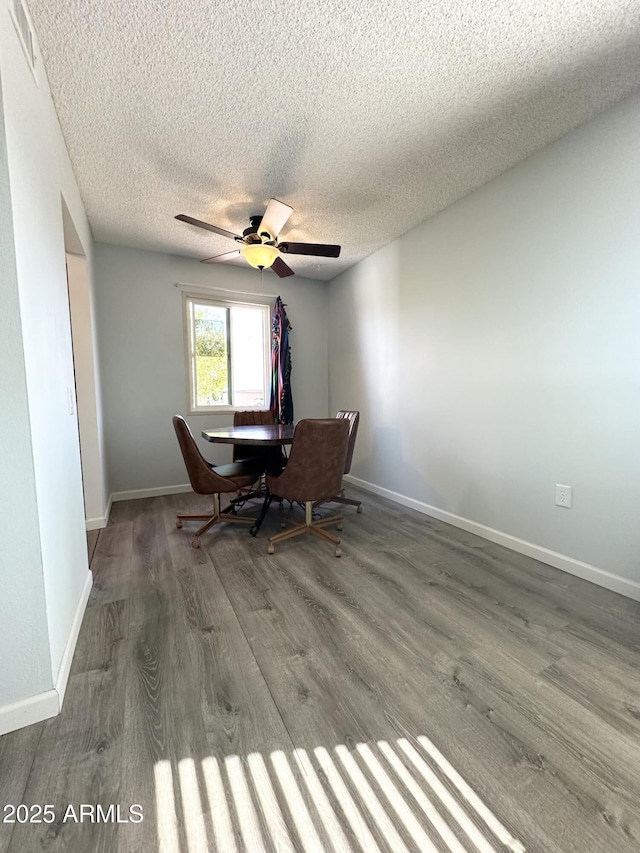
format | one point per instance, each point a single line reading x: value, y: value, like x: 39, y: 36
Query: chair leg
x: 324, y: 534
x: 309, y: 526
x: 187, y: 516
x: 211, y: 519
x: 329, y: 519
x: 289, y: 533
x: 320, y: 531
x: 214, y: 519
x: 298, y: 530
x: 340, y: 499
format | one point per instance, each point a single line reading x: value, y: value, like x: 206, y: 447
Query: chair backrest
x: 243, y: 451
x: 354, y: 420
x: 316, y: 462
x: 252, y: 418
x: 204, y: 481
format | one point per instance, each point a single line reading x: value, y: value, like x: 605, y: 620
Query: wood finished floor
x: 303, y: 702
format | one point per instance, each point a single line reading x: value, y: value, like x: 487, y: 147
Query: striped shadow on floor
x: 396, y: 797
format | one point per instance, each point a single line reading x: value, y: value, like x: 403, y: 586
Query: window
x: 227, y: 354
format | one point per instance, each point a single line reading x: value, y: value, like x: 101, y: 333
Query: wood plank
x: 17, y: 754
x: 112, y: 564
x: 609, y: 693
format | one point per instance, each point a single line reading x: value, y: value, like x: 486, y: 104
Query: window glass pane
x: 211, y: 356
x: 248, y: 350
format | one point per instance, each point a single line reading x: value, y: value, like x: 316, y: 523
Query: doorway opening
x: 84, y: 397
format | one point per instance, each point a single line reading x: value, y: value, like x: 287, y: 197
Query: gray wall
x: 494, y: 350
x: 140, y: 332
x: 24, y: 644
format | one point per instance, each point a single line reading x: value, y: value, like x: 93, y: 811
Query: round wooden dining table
x: 271, y: 437
x: 267, y: 435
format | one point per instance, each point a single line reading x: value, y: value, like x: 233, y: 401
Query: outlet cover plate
x: 564, y: 496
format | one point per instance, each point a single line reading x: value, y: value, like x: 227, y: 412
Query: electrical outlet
x: 71, y: 400
x: 564, y: 496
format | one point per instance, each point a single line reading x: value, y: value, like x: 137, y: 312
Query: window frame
x: 227, y: 301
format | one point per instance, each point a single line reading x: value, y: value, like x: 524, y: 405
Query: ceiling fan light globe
x: 260, y: 255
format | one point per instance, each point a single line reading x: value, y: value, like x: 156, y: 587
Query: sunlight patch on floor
x: 243, y: 804
x: 360, y: 829
x: 447, y: 799
x: 396, y: 800
x: 429, y: 810
x: 166, y: 816
x: 269, y: 804
x: 221, y: 825
x: 192, y: 805
x: 374, y: 797
x: 296, y: 804
x: 375, y: 808
x: 471, y: 797
x: 320, y: 800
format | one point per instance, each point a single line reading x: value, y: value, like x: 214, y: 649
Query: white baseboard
x: 156, y: 492
x: 99, y: 521
x: 48, y: 704
x: 69, y: 649
x: 28, y: 711
x: 624, y: 586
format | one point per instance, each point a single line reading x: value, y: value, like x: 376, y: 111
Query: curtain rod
x: 182, y: 285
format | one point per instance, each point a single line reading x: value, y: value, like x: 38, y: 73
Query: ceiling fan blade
x: 280, y: 268
x: 322, y: 250
x: 275, y: 217
x: 199, y: 224
x: 219, y: 258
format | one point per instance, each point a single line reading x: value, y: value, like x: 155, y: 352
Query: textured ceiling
x: 365, y: 117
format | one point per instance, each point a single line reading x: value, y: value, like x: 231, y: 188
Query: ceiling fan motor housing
x: 252, y: 235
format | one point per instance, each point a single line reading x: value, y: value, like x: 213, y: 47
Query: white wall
x: 140, y: 330
x: 40, y: 178
x: 494, y: 351
x: 25, y: 667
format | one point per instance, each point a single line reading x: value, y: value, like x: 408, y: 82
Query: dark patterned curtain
x: 281, y: 400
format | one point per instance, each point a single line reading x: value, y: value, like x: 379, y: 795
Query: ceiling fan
x: 260, y: 246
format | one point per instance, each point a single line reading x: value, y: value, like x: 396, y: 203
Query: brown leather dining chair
x: 354, y: 419
x: 248, y: 451
x: 252, y: 453
x: 313, y: 474
x: 212, y: 480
